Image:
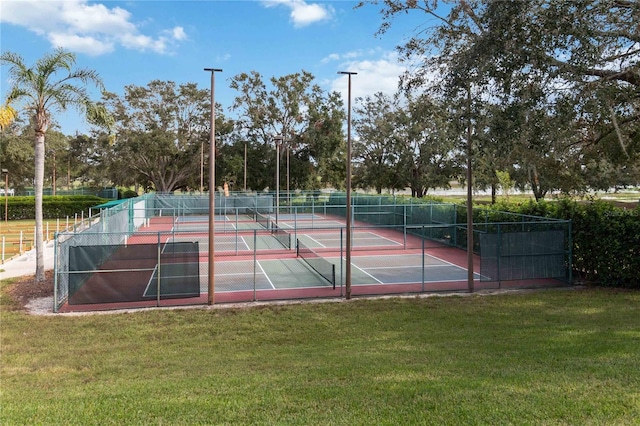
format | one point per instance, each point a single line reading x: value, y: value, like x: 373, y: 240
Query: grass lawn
x: 546, y: 357
x: 18, y: 235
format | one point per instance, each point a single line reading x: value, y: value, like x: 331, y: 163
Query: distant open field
x: 17, y: 236
x: 624, y: 199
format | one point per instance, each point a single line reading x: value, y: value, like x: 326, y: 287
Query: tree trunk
x: 39, y: 182
x: 534, y: 180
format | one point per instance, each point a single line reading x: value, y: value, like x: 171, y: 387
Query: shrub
x: 605, y: 238
x: 52, y: 206
x: 127, y: 193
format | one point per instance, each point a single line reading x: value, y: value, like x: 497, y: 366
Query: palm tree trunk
x: 39, y: 183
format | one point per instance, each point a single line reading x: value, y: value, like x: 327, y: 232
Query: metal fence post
x: 255, y: 262
x: 158, y: 274
x: 499, y: 255
x: 423, y: 254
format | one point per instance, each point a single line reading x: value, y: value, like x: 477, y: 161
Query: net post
x: 341, y: 263
x: 333, y: 276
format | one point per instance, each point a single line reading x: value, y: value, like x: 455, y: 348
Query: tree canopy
x: 565, y: 73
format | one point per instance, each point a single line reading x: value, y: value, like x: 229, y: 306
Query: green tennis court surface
x: 270, y: 274
x: 277, y: 239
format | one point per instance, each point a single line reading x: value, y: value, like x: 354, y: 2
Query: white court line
x: 150, y: 279
x: 358, y: 236
x: 314, y: 240
x: 285, y: 225
x: 380, y: 282
x: 380, y: 236
x: 244, y: 242
x: 407, y: 266
x: 455, y: 266
x: 235, y: 274
x: 229, y: 224
x: 265, y: 274
x: 446, y: 263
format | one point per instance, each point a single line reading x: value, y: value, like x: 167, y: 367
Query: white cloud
x: 303, y: 13
x: 332, y: 57
x: 178, y: 33
x: 93, y: 29
x: 379, y: 74
x: 351, y: 55
x: 77, y: 43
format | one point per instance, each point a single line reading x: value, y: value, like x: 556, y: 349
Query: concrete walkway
x: 25, y: 264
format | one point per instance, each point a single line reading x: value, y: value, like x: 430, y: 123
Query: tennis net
x: 322, y: 266
x: 260, y: 218
x: 281, y: 235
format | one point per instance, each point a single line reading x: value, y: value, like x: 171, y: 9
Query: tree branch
x: 630, y: 76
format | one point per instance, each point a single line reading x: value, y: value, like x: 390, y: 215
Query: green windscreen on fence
x: 522, y: 255
x: 130, y: 273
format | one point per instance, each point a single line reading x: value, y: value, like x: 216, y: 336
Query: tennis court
x: 268, y: 279
x: 255, y: 220
x: 272, y: 274
x: 262, y: 253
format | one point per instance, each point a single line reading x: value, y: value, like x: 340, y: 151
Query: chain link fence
x: 155, y: 248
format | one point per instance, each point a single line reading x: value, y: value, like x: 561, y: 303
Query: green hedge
x: 52, y: 206
x: 606, y: 239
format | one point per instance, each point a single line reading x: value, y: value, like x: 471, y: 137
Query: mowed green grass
x: 545, y: 357
x: 15, y: 232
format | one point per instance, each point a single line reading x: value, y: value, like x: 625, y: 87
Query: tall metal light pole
x: 212, y: 189
x: 201, y: 167
x: 278, y: 140
x: 347, y: 283
x: 470, y: 283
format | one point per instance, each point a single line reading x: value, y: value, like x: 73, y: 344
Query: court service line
x: 448, y: 263
x: 384, y: 238
x: 408, y: 266
x: 245, y: 242
x: 476, y: 275
x: 374, y: 278
x: 316, y: 241
x: 265, y: 274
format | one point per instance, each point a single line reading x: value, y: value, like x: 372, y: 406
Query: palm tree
x: 41, y: 93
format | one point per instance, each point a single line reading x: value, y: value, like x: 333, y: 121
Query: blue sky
x: 135, y: 42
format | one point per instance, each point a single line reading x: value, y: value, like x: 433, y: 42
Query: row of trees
x: 160, y: 134
x: 160, y: 142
